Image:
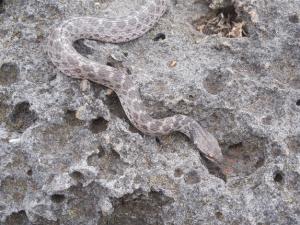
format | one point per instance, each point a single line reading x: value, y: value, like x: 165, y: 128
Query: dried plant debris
x: 223, y: 22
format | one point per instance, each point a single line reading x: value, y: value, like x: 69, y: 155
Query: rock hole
x: 293, y: 143
x: 259, y: 163
x: 178, y: 172
x: 98, y: 125
x: 214, y: 169
x: 2, y: 9
x: 115, y: 154
x: 29, y: 172
x: 278, y: 177
x: 82, y: 48
x: 223, y: 21
x: 108, y: 162
x: 219, y: 215
x: 101, y: 152
x: 16, y: 187
x: 128, y: 71
x: 8, y: 73
x: 95, y: 159
x: 157, y: 140
x: 22, y: 117
x: 114, y: 167
x: 159, y: 36
x: 137, y: 209
x: 298, y: 102
x: 192, y: 177
x: 110, y: 64
x: 57, y: 198
x: 228, y: 12
x: 294, y: 18
x: 244, y: 158
x: 17, y: 218
x: 115, y: 106
x: 267, y: 120
x: 4, y: 109
x: 70, y: 118
x: 76, y: 175
x: 191, y: 97
x: 214, y: 82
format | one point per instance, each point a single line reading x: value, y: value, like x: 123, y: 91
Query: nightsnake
x: 116, y: 30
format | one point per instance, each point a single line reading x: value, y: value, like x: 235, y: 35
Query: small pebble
x: 173, y: 63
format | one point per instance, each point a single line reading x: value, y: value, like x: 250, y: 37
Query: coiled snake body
x: 116, y: 30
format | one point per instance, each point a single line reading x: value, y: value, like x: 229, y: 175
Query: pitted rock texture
x: 69, y: 155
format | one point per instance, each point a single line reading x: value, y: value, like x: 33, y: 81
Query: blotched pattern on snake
x: 116, y: 30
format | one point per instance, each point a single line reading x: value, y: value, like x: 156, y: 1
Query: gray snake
x: 116, y: 30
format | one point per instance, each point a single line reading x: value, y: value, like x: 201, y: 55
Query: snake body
x: 116, y: 30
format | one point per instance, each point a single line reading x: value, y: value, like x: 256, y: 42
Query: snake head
x: 207, y: 144
x: 210, y: 148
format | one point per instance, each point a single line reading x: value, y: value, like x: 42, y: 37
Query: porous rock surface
x: 68, y: 154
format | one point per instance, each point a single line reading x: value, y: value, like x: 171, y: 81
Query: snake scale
x: 117, y: 30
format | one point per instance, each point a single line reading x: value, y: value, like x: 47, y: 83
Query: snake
x: 63, y: 55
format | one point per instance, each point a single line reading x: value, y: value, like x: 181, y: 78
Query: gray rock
x: 68, y: 154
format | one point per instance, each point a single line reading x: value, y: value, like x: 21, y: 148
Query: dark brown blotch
x: 132, y: 21
x: 166, y: 128
x: 91, y: 75
x: 184, y: 121
x: 144, y: 118
x: 144, y: 127
x: 87, y: 68
x: 135, y: 116
x: 155, y: 126
x: 131, y: 93
x: 158, y: 123
x: 169, y: 120
x: 66, y: 71
x: 121, y: 24
x: 176, y: 123
x: 71, y: 60
x: 77, y: 70
x: 127, y: 84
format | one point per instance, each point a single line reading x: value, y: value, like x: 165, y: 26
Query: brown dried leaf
x: 237, y: 30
